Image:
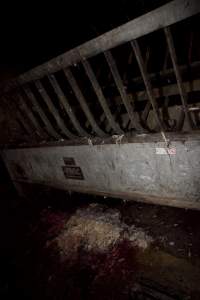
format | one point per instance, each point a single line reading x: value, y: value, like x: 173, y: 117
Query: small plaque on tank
x: 69, y: 161
x: 72, y: 172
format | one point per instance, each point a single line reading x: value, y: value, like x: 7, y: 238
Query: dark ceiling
x: 32, y: 33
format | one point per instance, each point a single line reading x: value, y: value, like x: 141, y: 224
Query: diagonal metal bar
x: 146, y: 111
x: 49, y: 128
x: 100, y: 96
x: 65, y: 103
x: 83, y: 103
x: 24, y: 107
x: 53, y: 110
x: 165, y: 111
x: 148, y: 106
x: 118, y: 81
x: 175, y: 125
x: 147, y: 83
x: 182, y: 92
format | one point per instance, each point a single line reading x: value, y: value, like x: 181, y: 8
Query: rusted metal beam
x: 169, y: 90
x: 120, y: 86
x: 102, y: 100
x: 65, y: 103
x: 182, y: 92
x: 53, y: 110
x: 81, y: 99
x: 161, y: 17
x: 167, y: 73
x: 49, y: 128
x: 147, y: 83
x: 165, y: 112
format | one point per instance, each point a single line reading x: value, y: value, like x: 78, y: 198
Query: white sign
x: 162, y: 151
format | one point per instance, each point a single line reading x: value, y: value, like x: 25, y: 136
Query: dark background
x: 33, y: 32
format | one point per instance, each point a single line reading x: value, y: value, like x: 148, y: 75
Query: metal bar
x: 177, y: 125
x: 48, y: 126
x: 172, y: 89
x: 147, y: 108
x: 165, y: 112
x: 53, y: 110
x: 182, y: 92
x: 100, y: 96
x: 164, y: 75
x: 82, y: 101
x: 24, y: 107
x: 146, y: 111
x: 161, y: 17
x: 65, y: 103
x: 147, y: 83
x: 118, y: 81
x: 168, y: 72
x: 169, y: 89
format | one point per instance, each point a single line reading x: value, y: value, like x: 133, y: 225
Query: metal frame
x: 160, y: 18
x: 173, y: 12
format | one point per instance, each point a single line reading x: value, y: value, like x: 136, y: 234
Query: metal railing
x: 34, y: 99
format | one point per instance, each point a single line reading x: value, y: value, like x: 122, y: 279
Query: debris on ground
x: 104, y: 250
x: 98, y: 229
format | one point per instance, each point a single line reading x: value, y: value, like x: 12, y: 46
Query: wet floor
x: 78, y: 247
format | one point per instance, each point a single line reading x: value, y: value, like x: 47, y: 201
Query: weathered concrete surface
x: 142, y: 171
